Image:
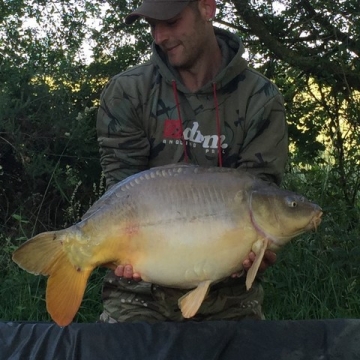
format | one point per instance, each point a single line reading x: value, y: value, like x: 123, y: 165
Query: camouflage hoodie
x: 147, y: 118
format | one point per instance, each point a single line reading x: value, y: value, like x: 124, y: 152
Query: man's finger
x: 247, y: 264
x: 137, y: 277
x: 252, y: 256
x: 269, y: 257
x: 128, y: 272
x: 119, y: 271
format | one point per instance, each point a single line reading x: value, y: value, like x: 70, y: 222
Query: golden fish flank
x: 179, y: 226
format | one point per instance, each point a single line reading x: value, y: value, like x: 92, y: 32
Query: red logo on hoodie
x: 172, y: 129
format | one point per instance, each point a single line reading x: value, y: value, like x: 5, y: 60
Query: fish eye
x: 291, y: 202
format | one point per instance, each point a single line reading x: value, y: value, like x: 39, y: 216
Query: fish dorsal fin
x: 259, y: 248
x: 191, y: 302
x: 65, y: 290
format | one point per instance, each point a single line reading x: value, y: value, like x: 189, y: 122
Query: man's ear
x: 207, y: 9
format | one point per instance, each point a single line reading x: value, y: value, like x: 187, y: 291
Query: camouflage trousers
x: 129, y: 301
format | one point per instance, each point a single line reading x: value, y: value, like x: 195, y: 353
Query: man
x: 195, y: 101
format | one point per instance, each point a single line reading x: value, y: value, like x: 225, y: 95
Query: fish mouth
x: 315, y: 221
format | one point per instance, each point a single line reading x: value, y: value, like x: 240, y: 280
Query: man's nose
x: 160, y: 34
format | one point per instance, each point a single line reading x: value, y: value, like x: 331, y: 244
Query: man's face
x: 182, y: 38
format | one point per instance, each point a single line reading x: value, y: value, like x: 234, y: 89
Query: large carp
x: 179, y: 226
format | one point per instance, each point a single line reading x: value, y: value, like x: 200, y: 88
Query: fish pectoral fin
x: 65, y: 291
x: 190, y: 303
x: 259, y: 248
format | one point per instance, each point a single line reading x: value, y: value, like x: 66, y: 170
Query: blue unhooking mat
x: 273, y: 340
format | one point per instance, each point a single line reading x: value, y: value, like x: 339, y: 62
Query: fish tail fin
x: 65, y: 291
x: 44, y: 254
x: 39, y: 254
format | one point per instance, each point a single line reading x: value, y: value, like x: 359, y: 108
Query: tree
x: 310, y: 49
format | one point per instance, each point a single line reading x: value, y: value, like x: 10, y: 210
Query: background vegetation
x: 49, y: 163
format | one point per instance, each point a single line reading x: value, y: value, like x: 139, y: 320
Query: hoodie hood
x: 233, y: 64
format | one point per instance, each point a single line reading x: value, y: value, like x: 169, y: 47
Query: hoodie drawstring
x: 218, y: 125
x: 218, y: 128
x: 186, y: 158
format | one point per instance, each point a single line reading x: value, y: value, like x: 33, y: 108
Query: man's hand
x: 127, y: 272
x: 269, y: 259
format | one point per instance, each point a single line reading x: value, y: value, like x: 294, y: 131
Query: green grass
x: 308, y: 283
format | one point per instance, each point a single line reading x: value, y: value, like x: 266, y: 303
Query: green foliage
x: 310, y: 49
x: 49, y: 162
x: 42, y: 136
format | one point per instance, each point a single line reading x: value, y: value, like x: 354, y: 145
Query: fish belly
x: 184, y: 255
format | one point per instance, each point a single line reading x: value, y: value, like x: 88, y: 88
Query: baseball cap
x: 157, y: 9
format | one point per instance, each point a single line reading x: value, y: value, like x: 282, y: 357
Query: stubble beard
x: 188, y: 61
